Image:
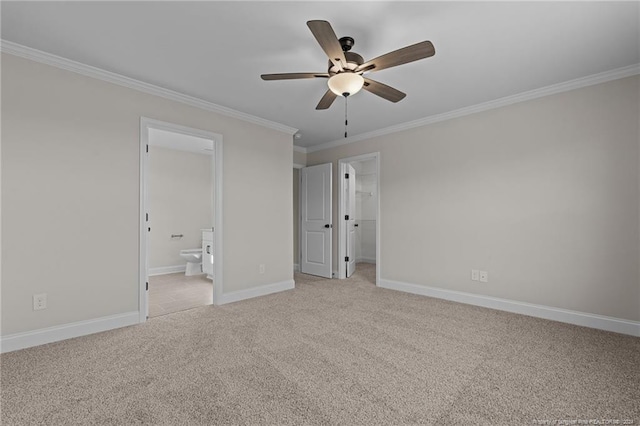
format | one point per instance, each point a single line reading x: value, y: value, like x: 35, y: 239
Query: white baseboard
x: 366, y: 260
x: 584, y: 319
x: 296, y: 267
x: 263, y: 290
x: 163, y: 270
x: 13, y: 342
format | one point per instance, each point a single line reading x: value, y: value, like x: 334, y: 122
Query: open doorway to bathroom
x: 359, y: 207
x: 180, y: 206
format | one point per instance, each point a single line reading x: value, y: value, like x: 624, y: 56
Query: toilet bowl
x: 194, y: 261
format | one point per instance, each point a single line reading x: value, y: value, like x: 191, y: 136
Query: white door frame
x: 145, y: 125
x: 349, y: 199
x: 342, y: 229
x: 299, y: 218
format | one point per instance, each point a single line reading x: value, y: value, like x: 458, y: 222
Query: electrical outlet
x: 39, y: 301
x: 484, y: 277
x: 475, y: 275
x: 262, y: 268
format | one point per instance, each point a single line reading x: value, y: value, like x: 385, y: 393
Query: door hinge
x: 346, y: 258
x: 147, y: 217
x: 147, y: 147
x: 346, y: 175
x: 147, y: 285
x: 346, y: 217
x: 149, y: 229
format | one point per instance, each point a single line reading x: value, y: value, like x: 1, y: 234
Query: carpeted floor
x: 329, y: 352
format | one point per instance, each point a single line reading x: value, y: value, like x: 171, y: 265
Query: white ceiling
x: 216, y: 51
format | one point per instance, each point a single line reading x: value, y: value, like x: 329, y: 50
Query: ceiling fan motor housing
x: 353, y: 60
x: 346, y: 43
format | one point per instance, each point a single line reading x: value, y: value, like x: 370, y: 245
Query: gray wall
x: 299, y: 158
x: 70, y: 195
x: 180, y: 193
x: 543, y: 194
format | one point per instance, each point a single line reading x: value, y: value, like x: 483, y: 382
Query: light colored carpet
x: 328, y: 352
x: 176, y: 292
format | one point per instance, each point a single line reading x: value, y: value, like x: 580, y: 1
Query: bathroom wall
x: 180, y: 191
x: 366, y: 206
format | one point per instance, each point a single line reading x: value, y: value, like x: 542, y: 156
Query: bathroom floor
x: 177, y: 292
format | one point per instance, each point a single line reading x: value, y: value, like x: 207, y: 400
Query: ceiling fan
x: 346, y: 68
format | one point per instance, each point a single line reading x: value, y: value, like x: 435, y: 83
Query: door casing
x: 349, y: 195
x: 342, y: 228
x: 145, y: 125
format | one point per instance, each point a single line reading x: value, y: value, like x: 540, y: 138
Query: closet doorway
x: 358, y: 213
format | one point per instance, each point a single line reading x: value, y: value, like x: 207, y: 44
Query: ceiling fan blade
x: 327, y: 39
x: 294, y: 75
x: 382, y: 90
x: 405, y: 55
x: 326, y: 100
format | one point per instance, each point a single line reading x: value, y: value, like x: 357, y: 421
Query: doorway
x: 359, y: 214
x: 180, y: 218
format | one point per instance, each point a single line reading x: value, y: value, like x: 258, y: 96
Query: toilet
x: 194, y: 261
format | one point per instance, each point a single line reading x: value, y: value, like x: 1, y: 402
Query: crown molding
x: 578, y: 83
x: 111, y: 77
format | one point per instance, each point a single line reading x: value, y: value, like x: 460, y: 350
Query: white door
x: 315, y: 209
x: 350, y: 217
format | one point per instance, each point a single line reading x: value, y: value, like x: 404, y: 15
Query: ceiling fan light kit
x: 345, y: 83
x: 346, y: 68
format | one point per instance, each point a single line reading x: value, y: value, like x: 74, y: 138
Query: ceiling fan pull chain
x: 346, y: 122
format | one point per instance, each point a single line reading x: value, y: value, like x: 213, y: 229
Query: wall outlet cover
x: 484, y: 277
x: 475, y: 275
x: 39, y: 301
